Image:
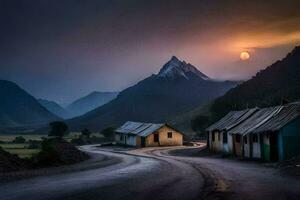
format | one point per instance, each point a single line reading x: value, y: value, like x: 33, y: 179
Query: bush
x: 199, y: 123
x: 58, y: 129
x: 19, y: 140
x: 86, y: 132
x: 108, y: 132
x: 34, y: 144
x: 57, y: 152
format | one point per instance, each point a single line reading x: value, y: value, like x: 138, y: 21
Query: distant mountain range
x: 90, y: 102
x: 18, y: 108
x: 55, y: 108
x: 179, y: 86
x: 278, y: 83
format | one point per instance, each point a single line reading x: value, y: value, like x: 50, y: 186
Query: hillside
x: 55, y: 108
x: 278, y: 83
x: 18, y: 108
x: 90, y: 102
x: 179, y: 86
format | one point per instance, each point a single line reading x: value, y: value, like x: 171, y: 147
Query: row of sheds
x: 269, y: 134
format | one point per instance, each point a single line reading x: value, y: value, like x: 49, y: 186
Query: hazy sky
x: 63, y: 49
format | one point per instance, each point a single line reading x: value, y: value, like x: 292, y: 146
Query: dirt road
x: 155, y: 173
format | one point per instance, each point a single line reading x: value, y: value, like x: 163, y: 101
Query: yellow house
x: 148, y: 135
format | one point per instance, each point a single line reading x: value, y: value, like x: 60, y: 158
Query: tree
x: 86, y: 132
x: 19, y: 140
x: 199, y: 123
x: 108, y: 132
x: 58, y: 129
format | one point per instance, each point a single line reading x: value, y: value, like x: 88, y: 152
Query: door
x: 156, y: 137
x: 143, y: 141
x: 274, y: 147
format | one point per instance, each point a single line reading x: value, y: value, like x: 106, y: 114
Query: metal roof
x: 256, y: 120
x: 232, y: 119
x: 139, y: 128
x: 288, y: 113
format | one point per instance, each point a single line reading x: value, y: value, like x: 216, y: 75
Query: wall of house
x: 266, y: 147
x: 289, y: 140
x: 237, y: 145
x: 126, y: 139
x: 230, y: 144
x: 118, y: 138
x: 256, y: 152
x: 246, y: 146
x: 217, y: 144
x: 176, y: 140
x: 131, y: 140
x: 138, y: 141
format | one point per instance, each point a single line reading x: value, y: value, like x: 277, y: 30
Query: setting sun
x: 244, y: 55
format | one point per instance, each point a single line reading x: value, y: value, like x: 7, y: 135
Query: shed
x: 218, y: 138
x: 281, y: 134
x: 142, y: 134
x: 243, y: 144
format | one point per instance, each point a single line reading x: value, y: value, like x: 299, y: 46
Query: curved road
x: 153, y: 173
x: 134, y: 177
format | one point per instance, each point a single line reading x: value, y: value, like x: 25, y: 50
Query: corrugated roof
x: 138, y: 128
x: 288, y: 113
x: 256, y: 120
x: 232, y: 119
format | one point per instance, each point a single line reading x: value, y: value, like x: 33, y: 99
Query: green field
x: 9, y: 138
x: 21, y: 150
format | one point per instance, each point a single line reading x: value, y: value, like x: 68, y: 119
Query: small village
x: 149, y: 100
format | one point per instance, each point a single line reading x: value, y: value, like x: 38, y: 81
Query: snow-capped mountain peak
x: 175, y: 68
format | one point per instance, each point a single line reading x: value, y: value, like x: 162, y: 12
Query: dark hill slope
x: 55, y: 108
x: 277, y: 83
x: 18, y: 108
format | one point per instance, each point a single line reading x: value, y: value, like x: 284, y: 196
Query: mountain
x: 178, y: 86
x: 55, y: 108
x: 18, y: 108
x: 274, y: 85
x: 90, y: 102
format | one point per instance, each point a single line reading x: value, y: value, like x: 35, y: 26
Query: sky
x: 63, y: 49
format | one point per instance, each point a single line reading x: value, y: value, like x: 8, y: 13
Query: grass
x: 9, y: 138
x: 23, y: 151
x: 20, y: 150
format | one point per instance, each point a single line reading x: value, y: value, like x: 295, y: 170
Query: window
x: 170, y: 135
x: 156, y: 137
x: 238, y: 138
x: 213, y: 136
x: 219, y: 136
x: 121, y: 137
x: 245, y: 139
x: 225, y: 139
x: 255, y: 138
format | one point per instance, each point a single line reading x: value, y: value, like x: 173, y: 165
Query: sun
x: 244, y: 55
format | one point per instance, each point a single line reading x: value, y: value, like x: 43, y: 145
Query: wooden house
x: 218, y: 137
x: 280, y: 135
x: 243, y: 143
x: 141, y: 134
x: 270, y: 134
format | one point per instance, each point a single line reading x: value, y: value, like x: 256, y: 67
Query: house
x: 244, y: 145
x: 269, y: 134
x: 281, y: 134
x: 141, y: 134
x: 218, y: 139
